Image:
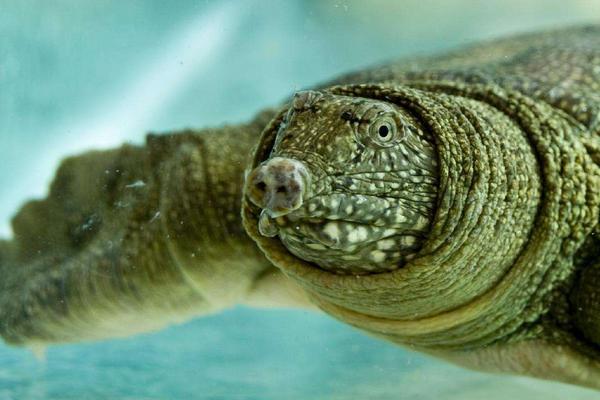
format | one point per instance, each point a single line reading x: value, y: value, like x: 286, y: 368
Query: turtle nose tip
x: 277, y: 185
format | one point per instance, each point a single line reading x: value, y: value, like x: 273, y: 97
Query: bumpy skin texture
x: 508, y: 272
x: 505, y: 279
x: 361, y: 186
x: 132, y: 239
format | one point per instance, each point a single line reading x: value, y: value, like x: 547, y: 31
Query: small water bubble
x: 155, y: 217
x: 137, y: 184
x: 121, y: 204
x: 89, y: 223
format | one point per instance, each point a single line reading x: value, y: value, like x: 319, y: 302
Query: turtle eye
x: 383, y: 131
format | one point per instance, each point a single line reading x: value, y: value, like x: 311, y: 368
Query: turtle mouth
x: 343, y: 237
x: 362, y: 211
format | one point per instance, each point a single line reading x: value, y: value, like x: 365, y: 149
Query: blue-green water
x: 76, y: 75
x: 244, y: 354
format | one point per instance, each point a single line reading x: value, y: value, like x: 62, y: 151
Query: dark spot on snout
x: 357, y: 159
x: 346, y: 115
x: 306, y: 100
x: 349, y: 116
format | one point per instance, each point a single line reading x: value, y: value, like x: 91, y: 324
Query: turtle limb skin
x: 132, y: 239
x: 535, y: 358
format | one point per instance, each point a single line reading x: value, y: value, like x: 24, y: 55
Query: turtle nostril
x: 281, y: 189
x: 257, y: 187
x: 261, y: 186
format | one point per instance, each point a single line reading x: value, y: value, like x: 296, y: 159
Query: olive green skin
x: 366, y: 201
x: 517, y: 127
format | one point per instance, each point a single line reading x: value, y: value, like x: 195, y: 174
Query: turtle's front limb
x: 133, y: 239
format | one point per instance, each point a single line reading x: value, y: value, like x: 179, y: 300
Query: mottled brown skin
x: 505, y: 275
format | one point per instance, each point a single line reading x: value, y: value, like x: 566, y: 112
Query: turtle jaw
x: 337, y: 230
x: 350, y: 239
x: 334, y: 227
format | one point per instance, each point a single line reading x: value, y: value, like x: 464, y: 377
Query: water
x: 244, y: 354
x: 77, y: 75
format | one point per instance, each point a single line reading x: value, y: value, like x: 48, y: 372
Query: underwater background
x: 77, y: 75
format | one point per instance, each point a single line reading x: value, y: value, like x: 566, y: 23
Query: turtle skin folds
x: 507, y: 277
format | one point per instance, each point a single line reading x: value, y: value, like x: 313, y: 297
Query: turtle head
x: 350, y: 183
x: 414, y: 212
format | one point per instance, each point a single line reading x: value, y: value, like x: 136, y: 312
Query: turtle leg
x: 133, y: 239
x: 536, y: 358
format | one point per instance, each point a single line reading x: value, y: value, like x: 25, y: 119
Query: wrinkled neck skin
x: 500, y: 238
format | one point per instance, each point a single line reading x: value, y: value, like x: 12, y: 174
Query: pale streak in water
x: 191, y: 51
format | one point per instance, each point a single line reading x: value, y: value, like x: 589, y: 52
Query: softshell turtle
x: 450, y: 204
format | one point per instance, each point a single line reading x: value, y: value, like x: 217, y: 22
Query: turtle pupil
x: 383, y: 131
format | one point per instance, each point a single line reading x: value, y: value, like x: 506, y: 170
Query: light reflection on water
x: 114, y: 70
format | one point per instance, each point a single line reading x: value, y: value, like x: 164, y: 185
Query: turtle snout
x: 278, y: 185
